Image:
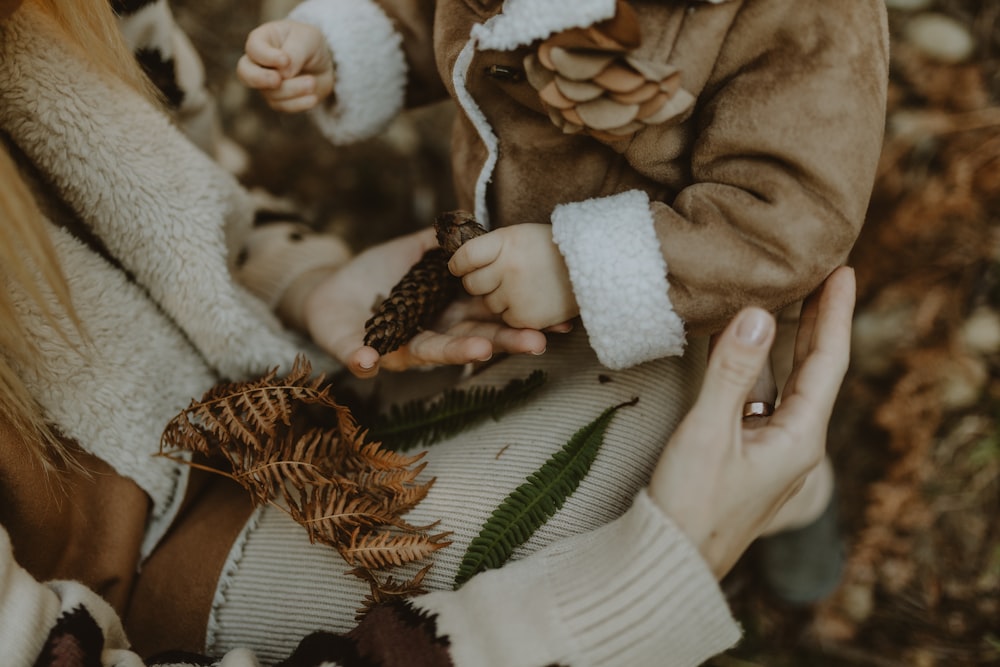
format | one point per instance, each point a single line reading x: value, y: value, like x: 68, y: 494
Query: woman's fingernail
x: 539, y: 352
x: 366, y: 365
x: 753, y: 326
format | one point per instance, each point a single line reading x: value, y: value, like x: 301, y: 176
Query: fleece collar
x: 524, y: 21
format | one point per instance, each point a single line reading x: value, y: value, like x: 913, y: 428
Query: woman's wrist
x: 282, y: 262
x: 291, y: 307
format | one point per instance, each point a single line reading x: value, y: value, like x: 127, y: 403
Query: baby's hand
x: 290, y: 63
x: 336, y: 307
x: 521, y: 275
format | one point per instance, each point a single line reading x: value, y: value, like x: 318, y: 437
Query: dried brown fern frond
x: 330, y: 511
x: 242, y: 412
x: 268, y: 471
x: 372, y: 455
x: 289, y: 443
x: 392, y: 480
x: 263, y: 428
x: 381, y: 550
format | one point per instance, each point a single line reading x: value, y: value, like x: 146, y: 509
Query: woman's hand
x: 720, y: 480
x: 336, y: 309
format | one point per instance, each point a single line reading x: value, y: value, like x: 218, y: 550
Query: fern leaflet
x: 531, y: 504
x: 418, y: 423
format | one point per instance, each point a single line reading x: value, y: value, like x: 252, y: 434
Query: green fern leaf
x: 417, y: 423
x: 531, y: 504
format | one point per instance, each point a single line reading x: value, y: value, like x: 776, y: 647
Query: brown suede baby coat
x: 752, y: 191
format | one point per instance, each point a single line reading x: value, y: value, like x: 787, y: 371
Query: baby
x: 650, y: 166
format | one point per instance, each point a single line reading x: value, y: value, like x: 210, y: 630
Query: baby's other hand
x: 290, y: 63
x: 520, y: 274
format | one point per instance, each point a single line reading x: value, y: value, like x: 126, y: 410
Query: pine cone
x: 426, y: 289
x: 413, y: 304
x: 455, y: 228
x: 589, y: 81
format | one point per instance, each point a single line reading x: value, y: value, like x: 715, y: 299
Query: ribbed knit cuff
x: 634, y: 592
x: 619, y: 278
x: 658, y: 600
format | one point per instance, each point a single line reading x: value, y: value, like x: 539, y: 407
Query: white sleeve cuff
x: 628, y: 593
x: 371, y: 68
x: 619, y: 278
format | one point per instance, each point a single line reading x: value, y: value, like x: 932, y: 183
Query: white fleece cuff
x: 619, y: 278
x: 371, y: 68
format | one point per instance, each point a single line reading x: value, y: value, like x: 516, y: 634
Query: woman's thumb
x: 736, y: 361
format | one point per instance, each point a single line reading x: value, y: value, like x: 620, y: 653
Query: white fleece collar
x: 523, y: 21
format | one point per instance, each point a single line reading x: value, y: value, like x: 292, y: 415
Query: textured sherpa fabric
x: 483, y: 129
x: 524, y: 21
x: 370, y: 67
x: 159, y: 205
x: 621, y: 286
x: 118, y: 421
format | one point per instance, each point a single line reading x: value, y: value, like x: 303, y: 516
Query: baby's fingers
x: 476, y: 254
x: 254, y: 76
x: 294, y: 95
x: 482, y: 282
x: 263, y: 47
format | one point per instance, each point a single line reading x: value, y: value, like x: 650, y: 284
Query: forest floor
x: 914, y: 436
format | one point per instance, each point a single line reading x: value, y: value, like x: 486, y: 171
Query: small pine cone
x: 413, y: 304
x: 589, y: 81
x: 455, y: 228
x: 426, y: 289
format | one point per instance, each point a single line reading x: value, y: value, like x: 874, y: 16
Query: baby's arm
x: 789, y: 132
x: 289, y: 63
x: 372, y: 58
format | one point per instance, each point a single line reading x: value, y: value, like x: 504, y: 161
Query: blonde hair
x: 91, y: 26
x: 27, y: 257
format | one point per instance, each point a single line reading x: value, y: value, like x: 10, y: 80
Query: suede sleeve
x: 788, y: 134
